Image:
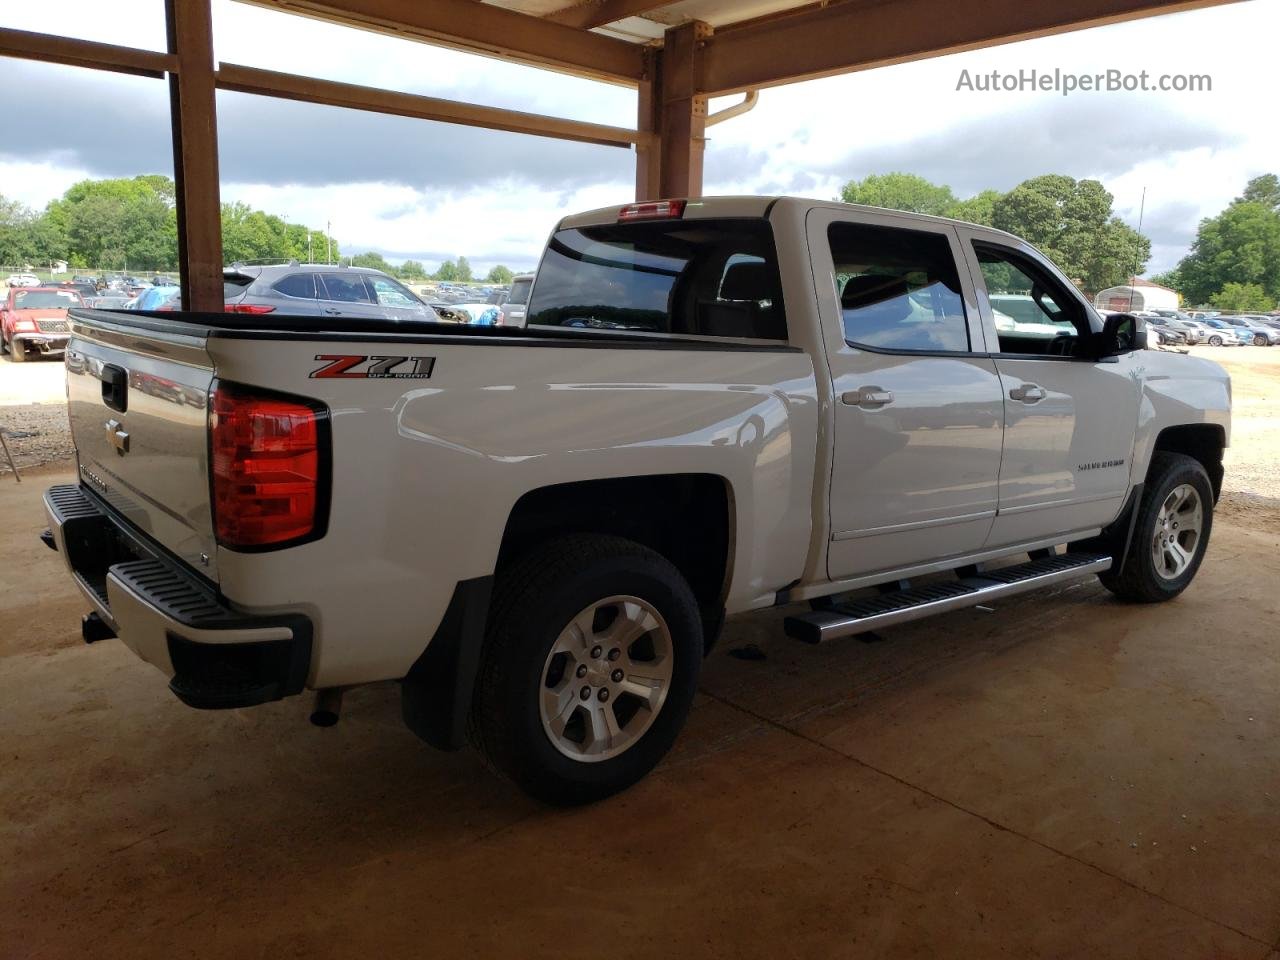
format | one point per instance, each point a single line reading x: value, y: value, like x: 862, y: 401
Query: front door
x: 1070, y: 421
x: 918, y: 405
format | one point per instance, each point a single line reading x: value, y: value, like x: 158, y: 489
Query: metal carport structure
x: 676, y: 53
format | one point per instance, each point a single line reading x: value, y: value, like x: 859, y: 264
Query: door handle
x: 1027, y: 393
x: 869, y: 397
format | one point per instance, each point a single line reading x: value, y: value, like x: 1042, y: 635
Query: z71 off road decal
x: 373, y: 368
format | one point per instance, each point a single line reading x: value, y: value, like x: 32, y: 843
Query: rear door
x: 343, y: 293
x: 1070, y: 421
x: 918, y: 414
x: 137, y: 404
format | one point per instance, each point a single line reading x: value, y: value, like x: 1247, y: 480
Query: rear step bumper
x: 862, y: 616
x: 215, y: 657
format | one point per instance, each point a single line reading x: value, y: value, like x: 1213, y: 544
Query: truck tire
x: 17, y: 352
x: 589, y: 667
x: 1175, y: 518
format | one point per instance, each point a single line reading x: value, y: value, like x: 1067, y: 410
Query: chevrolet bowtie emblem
x: 117, y: 437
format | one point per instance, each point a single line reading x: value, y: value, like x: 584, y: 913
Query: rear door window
x: 300, y: 286
x: 344, y: 288
x: 899, y: 289
x: 714, y: 278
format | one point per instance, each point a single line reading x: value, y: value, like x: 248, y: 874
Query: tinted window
x: 299, y: 285
x: 390, y: 293
x: 520, y: 291
x: 1033, y: 314
x: 899, y: 289
x: 709, y: 277
x: 344, y: 287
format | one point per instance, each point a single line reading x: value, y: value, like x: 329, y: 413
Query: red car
x: 35, y: 318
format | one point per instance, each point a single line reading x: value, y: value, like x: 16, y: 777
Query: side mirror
x: 1121, y: 333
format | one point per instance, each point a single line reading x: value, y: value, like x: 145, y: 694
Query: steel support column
x: 671, y: 103
x: 192, y: 96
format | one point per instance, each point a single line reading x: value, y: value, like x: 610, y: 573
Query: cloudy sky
x: 411, y: 188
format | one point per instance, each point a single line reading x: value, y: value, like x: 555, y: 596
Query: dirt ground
x: 1064, y: 776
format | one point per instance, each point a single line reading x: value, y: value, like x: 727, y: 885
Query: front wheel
x: 1215, y: 341
x: 1175, y: 517
x: 17, y: 352
x: 589, y: 667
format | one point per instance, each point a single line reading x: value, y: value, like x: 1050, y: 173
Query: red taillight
x: 653, y: 210
x: 266, y: 460
x: 248, y: 308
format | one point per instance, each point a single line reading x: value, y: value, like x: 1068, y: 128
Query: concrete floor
x: 1064, y: 777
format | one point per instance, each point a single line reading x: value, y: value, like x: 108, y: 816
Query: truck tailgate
x: 137, y: 399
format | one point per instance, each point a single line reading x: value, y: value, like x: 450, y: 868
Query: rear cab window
x: 713, y: 277
x: 520, y: 291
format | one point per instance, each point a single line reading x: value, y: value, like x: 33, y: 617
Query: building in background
x: 1139, y: 294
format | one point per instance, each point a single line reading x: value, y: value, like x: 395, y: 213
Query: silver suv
x: 320, y: 289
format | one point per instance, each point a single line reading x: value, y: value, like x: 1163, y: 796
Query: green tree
x: 117, y: 223
x: 371, y: 259
x: 900, y: 191
x: 464, y: 269
x: 448, y: 272
x: 1170, y: 278
x: 499, y: 274
x: 1071, y: 221
x: 1243, y: 297
x: 1241, y: 245
x: 1264, y: 189
x: 979, y: 208
x: 412, y: 270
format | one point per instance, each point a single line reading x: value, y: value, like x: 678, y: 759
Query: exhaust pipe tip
x: 328, y: 707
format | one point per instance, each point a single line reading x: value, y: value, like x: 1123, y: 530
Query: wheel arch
x: 688, y: 518
x: 1203, y: 442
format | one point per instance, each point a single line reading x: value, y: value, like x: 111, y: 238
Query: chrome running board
x: 916, y: 603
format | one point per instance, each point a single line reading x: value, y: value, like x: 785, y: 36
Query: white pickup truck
x: 718, y: 406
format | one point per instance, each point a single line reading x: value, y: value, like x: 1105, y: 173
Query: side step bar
x: 875, y: 613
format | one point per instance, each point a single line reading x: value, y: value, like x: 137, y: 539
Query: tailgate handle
x: 115, y: 387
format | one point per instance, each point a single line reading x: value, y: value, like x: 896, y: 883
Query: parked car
x: 1164, y: 329
x: 1222, y: 334
x: 309, y: 289
x: 1259, y: 333
x: 23, y: 280
x: 107, y: 300
x: 34, y: 319
x: 540, y: 534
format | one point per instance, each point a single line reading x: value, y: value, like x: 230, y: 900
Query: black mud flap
x: 435, y: 696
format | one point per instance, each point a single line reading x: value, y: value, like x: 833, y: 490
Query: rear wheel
x: 1260, y: 340
x: 1171, y: 533
x: 590, y: 665
x: 1215, y: 341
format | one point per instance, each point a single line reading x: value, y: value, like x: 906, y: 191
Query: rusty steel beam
x: 46, y: 48
x: 482, y: 28
x: 844, y: 37
x: 682, y: 111
x: 193, y: 110
x: 598, y: 13
x: 269, y: 83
